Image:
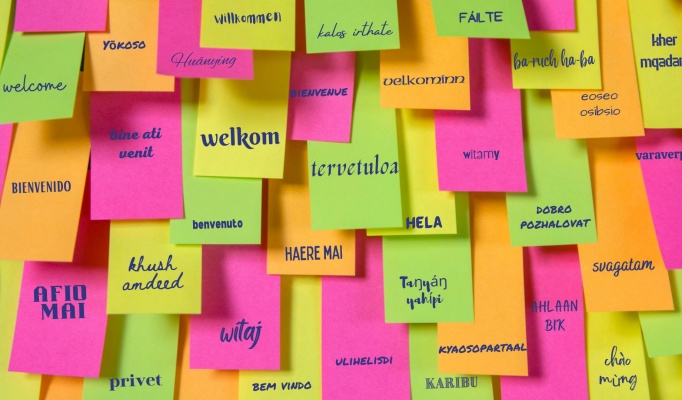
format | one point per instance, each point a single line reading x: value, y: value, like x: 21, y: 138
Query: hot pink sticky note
x: 550, y: 15
x: 357, y: 365
x: 62, y: 319
x: 555, y: 328
x: 482, y: 150
x: 136, y: 157
x: 179, y: 53
x: 60, y: 15
x: 239, y: 324
x: 321, y: 96
x: 661, y: 161
x: 5, y: 146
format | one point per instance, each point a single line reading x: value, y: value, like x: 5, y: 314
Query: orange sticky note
x: 495, y: 343
x: 624, y: 269
x: 123, y: 59
x: 43, y: 193
x: 428, y: 71
x: 60, y: 388
x: 293, y: 247
x: 615, y: 110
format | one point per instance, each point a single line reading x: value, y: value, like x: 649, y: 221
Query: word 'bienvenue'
x: 614, y: 361
x: 242, y: 332
x: 551, y: 61
x: 557, y: 224
x: 661, y: 62
x: 156, y: 268
x: 72, y: 301
x: 423, y: 286
x: 366, y: 29
x: 545, y: 306
x: 144, y: 381
x: 148, y: 150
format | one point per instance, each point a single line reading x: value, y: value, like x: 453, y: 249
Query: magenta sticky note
x: 179, y: 53
x: 482, y: 150
x: 239, y: 324
x: 359, y: 350
x: 136, y: 158
x: 60, y: 15
x: 660, y: 156
x: 5, y: 146
x: 321, y: 96
x: 550, y: 15
x: 555, y: 328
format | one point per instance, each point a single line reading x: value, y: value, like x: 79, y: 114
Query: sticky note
x: 241, y: 126
x: 207, y: 220
x: 356, y: 366
x: 558, y: 207
x: 663, y: 373
x: 5, y: 147
x: 261, y: 25
x: 300, y: 377
x: 357, y: 185
x: 613, y: 111
x: 482, y: 150
x: 55, y: 387
x: 5, y: 27
x: 39, y: 76
x: 488, y: 19
x: 351, y: 25
x: 441, y: 289
x: 14, y: 384
x: 123, y: 59
x: 43, y: 192
x: 139, y: 348
x: 428, y: 71
x: 498, y: 279
x: 555, y: 327
x: 136, y: 155
x: 560, y: 60
x: 550, y: 15
x: 662, y: 328
x: 429, y: 384
x: 239, y: 324
x: 147, y: 274
x: 427, y: 210
x: 60, y: 15
x: 626, y: 259
x: 656, y: 33
x: 293, y: 248
x: 615, y: 357
x: 179, y: 53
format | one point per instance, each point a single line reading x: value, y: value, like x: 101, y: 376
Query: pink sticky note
x: 60, y: 15
x: 555, y: 328
x: 136, y: 157
x: 179, y: 53
x: 358, y: 365
x: 550, y: 15
x: 5, y: 146
x: 660, y: 156
x: 482, y: 150
x: 239, y: 324
x: 321, y: 96
x: 62, y: 319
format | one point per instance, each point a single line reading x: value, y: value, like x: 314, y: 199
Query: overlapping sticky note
x: 663, y: 377
x: 6, y: 132
x: 488, y: 19
x: 550, y: 15
x: 5, y: 28
x: 662, y: 329
x: 60, y: 15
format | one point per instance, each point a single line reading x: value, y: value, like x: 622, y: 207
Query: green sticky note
x: 351, y: 25
x: 558, y: 207
x: 428, y: 384
x: 39, y: 77
x: 663, y: 329
x: 482, y: 19
x: 441, y: 289
x: 217, y: 210
x: 139, y: 359
x: 5, y: 18
x: 356, y: 185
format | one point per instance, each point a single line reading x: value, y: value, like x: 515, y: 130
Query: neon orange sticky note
x: 60, y: 388
x: 615, y: 110
x: 624, y: 270
x: 495, y: 343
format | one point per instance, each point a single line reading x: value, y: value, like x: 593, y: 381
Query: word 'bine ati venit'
x: 238, y: 138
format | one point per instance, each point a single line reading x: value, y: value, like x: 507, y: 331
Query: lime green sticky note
x: 663, y: 329
x: 139, y: 359
x: 5, y: 18
x: 482, y: 19
x: 664, y: 377
x: 257, y: 25
x: 428, y: 384
x: 207, y: 220
x: 441, y: 289
x: 148, y: 274
x: 351, y: 25
x: 427, y: 210
x: 39, y: 76
x: 560, y: 60
x: 356, y: 185
x: 558, y: 207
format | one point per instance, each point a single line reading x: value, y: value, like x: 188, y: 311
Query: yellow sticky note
x: 426, y: 209
x: 242, y: 125
x: 664, y: 377
x: 257, y: 25
x: 148, y: 274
